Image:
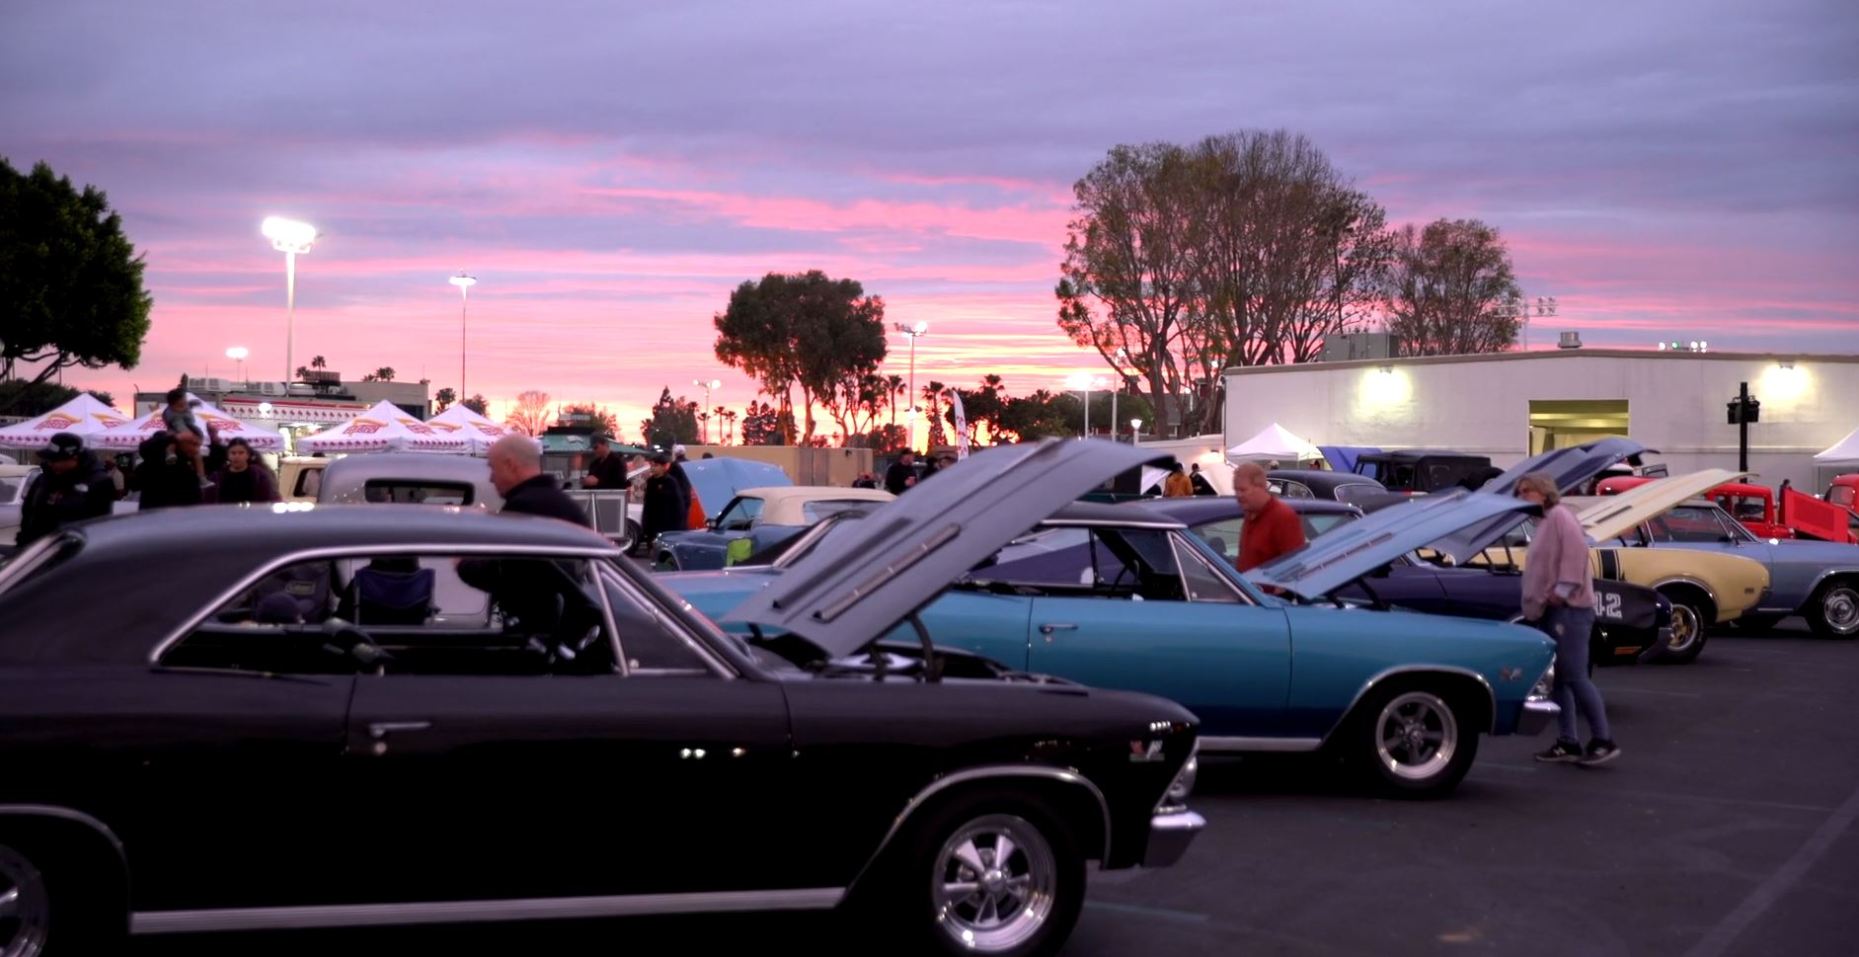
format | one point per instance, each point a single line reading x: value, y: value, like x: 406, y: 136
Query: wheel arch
x: 98, y: 846
x: 1471, y: 684
x: 1079, y: 802
x: 1686, y: 582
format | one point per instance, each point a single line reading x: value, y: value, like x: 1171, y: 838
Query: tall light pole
x: 1518, y: 307
x: 293, y: 239
x: 1115, y: 388
x: 464, y: 282
x: 915, y: 331
x: 707, y: 385
x: 238, y: 354
x: 1085, y: 383
x: 1136, y: 431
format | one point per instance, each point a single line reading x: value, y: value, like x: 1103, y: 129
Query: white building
x: 1513, y: 404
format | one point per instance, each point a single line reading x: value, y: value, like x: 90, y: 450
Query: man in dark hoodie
x: 72, y: 486
x: 170, y: 471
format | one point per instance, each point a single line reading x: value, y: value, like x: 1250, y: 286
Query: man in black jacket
x: 516, y: 471
x: 667, y: 504
x: 902, y: 474
x: 606, y: 471
x: 71, y: 487
x: 538, y: 597
x: 169, y: 475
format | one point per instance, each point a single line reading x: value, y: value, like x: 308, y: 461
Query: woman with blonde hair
x: 1558, y: 598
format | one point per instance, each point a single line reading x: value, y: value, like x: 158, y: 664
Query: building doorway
x: 1560, y: 423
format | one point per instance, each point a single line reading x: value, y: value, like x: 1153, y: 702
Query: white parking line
x: 1769, y: 891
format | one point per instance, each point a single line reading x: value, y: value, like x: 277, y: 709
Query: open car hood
x: 1570, y: 466
x: 1615, y: 515
x: 902, y: 555
x: 1352, y: 550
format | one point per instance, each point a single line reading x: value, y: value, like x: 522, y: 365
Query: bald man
x: 1272, y: 529
x: 516, y: 470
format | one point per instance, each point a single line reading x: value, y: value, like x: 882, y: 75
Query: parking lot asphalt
x: 1729, y: 827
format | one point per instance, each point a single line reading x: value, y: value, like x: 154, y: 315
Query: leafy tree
x: 936, y: 437
x: 445, y: 397
x: 673, y: 422
x: 319, y: 363
x: 762, y: 425
x: 383, y: 374
x: 1041, y: 415
x: 1448, y: 290
x: 855, y: 413
x: 602, y: 417
x: 21, y: 397
x: 807, y: 330
x: 983, y: 404
x: 476, y: 403
x: 531, y: 415
x: 71, y: 289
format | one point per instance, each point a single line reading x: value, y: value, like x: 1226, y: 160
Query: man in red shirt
x: 1272, y: 528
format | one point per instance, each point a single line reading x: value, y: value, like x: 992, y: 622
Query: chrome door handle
x: 1050, y: 627
x: 381, y: 729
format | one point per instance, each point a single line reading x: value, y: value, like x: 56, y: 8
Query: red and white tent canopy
x: 383, y: 428
x: 130, y: 435
x: 83, y: 416
x: 475, y: 429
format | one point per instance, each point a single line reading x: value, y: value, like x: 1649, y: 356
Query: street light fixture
x: 238, y: 354
x: 1136, y: 431
x: 293, y: 239
x: 464, y: 282
x: 915, y: 331
x: 707, y: 385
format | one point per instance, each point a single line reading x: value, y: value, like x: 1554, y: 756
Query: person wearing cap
x: 667, y: 506
x: 606, y: 470
x: 72, y: 486
x: 693, y: 506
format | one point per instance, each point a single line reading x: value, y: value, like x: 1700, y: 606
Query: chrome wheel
x: 1416, y: 735
x: 1839, y: 608
x: 994, y: 884
x: 24, y: 912
x: 1685, y: 628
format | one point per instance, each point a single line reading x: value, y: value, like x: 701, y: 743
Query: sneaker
x: 206, y: 483
x: 1563, y: 751
x: 1600, y: 752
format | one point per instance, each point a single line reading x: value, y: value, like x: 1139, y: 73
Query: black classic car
x: 1322, y: 484
x: 314, y: 716
x: 1631, y: 621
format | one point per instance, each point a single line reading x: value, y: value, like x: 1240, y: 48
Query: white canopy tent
x: 1843, y: 452
x: 384, y: 428
x: 1274, y: 442
x: 477, y: 431
x: 83, y: 416
x: 131, y: 435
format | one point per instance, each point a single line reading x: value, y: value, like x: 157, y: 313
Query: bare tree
x: 1446, y: 289
x: 531, y: 413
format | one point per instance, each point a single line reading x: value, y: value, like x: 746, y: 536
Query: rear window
x: 814, y: 511
x: 405, y: 492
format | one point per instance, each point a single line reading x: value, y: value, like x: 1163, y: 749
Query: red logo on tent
x: 364, y: 427
x: 489, y: 429
x: 416, y: 426
x: 57, y: 421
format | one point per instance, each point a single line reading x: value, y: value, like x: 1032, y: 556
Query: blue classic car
x: 1631, y: 621
x: 1816, y: 580
x: 1122, y: 597
x: 757, y: 518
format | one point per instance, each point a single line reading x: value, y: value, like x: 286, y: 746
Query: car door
x: 1150, y: 613
x: 655, y: 773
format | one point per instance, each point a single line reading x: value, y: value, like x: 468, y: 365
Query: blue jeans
x: 1570, y: 627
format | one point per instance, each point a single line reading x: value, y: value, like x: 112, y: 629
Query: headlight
x: 1546, y: 683
x: 1183, y: 785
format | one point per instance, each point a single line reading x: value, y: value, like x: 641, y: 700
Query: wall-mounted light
x: 1787, y: 363
x: 1386, y: 369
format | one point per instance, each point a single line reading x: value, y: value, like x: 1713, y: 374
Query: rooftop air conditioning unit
x: 1570, y: 340
x: 269, y: 388
x: 208, y: 384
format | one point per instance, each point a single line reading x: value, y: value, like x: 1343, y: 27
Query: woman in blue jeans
x: 1558, y: 596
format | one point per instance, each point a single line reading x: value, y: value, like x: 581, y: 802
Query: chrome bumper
x: 1537, y: 714
x: 1170, y: 834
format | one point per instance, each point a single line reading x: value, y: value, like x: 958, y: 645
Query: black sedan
x: 368, y: 715
x: 1630, y: 621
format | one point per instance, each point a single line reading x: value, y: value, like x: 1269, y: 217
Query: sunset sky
x: 611, y: 170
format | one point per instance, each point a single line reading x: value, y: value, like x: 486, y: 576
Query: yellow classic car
x: 1705, y: 588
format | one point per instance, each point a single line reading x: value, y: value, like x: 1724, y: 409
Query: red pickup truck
x: 1795, y: 516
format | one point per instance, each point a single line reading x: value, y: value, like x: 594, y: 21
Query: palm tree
x: 319, y: 363
x: 896, y: 382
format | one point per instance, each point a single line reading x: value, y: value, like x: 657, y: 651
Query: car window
x: 1842, y: 495
x: 11, y: 488
x: 1688, y: 523
x: 1289, y: 489
x: 309, y: 483
x: 1202, y: 582
x: 414, y: 492
x: 1223, y: 536
x: 394, y: 613
x: 1353, y: 494
x: 739, y: 515
x: 652, y: 643
x: 1746, y: 508
x: 814, y: 511
x: 1093, y: 562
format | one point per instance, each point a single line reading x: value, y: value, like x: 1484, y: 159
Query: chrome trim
x: 1537, y: 714
x: 1491, y: 696
x: 67, y: 814
x: 448, y: 912
x: 1709, y: 592
x: 669, y: 622
x: 1098, y: 523
x: 1169, y: 837
x: 1828, y: 573
x: 1063, y: 775
x: 1227, y: 745
x: 613, y: 631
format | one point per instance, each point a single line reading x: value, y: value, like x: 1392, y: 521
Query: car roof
x: 1201, y: 509
x: 1414, y: 455
x: 783, y: 493
x: 1141, y: 512
x: 1325, y: 478
x: 298, y: 526
x: 407, y: 465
